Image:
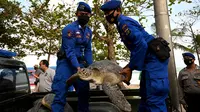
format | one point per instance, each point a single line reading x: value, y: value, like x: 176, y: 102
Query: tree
x: 186, y: 31
x: 40, y: 27
x: 10, y: 16
x: 106, y: 39
x: 43, y: 25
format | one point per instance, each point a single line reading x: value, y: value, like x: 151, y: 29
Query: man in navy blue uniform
x: 76, y: 48
x: 154, y: 85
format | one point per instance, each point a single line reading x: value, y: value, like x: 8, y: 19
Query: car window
x: 13, y: 79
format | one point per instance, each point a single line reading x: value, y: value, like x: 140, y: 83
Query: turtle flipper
x: 116, y: 97
x: 48, y: 100
x: 72, y: 79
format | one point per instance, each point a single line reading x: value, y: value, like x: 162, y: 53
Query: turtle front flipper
x: 116, y: 97
x: 72, y: 79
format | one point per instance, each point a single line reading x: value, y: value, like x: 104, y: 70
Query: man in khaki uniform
x: 189, y: 84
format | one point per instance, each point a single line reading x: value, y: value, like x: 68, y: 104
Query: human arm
x: 68, y: 42
x: 88, y: 51
x: 181, y: 91
x: 138, y: 43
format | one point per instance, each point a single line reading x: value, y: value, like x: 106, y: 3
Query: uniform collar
x: 197, y: 67
x: 119, y: 19
x: 79, y: 26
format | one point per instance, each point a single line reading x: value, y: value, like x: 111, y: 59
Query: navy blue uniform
x: 154, y: 85
x: 76, y: 43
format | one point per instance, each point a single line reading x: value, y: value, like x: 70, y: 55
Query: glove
x: 127, y: 72
x: 79, y: 69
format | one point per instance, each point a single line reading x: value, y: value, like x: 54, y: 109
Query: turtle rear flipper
x: 117, y: 97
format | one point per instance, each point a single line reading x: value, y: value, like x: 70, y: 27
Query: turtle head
x: 85, y: 74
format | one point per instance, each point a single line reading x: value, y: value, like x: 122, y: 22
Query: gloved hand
x: 127, y: 72
x: 79, y: 69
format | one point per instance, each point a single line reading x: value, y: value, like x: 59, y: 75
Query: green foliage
x: 10, y: 16
x: 186, y: 25
x: 43, y: 25
x: 186, y: 29
x: 38, y: 31
x: 105, y: 36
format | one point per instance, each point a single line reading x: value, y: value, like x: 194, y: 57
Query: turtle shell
x: 106, y: 66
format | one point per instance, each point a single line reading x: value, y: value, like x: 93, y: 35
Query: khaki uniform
x: 189, y: 88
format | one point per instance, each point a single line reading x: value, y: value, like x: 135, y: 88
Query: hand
x: 127, y: 72
x: 79, y: 69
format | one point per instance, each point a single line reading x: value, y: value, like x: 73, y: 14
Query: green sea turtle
x: 105, y: 73
x: 44, y: 104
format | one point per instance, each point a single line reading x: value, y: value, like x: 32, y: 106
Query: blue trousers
x: 64, y: 70
x: 153, y: 93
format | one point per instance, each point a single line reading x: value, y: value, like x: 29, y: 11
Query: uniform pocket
x: 197, y: 79
x: 185, y: 80
x: 159, y: 86
x: 197, y: 76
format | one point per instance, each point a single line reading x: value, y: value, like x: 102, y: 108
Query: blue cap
x: 188, y: 54
x: 110, y: 5
x: 82, y: 6
x: 7, y: 54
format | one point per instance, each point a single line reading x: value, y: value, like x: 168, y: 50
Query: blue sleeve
x: 88, y: 51
x: 68, y: 42
x: 138, y: 53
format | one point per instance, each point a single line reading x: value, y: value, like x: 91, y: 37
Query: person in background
x: 189, y: 84
x: 37, y: 73
x: 46, y: 77
x: 75, y: 53
x: 154, y: 84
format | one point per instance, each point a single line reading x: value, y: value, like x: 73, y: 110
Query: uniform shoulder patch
x: 69, y: 33
x: 78, y: 34
x: 88, y: 35
x: 126, y: 30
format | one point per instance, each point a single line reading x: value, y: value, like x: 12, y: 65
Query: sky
x: 32, y: 60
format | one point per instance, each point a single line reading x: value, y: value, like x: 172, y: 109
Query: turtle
x: 44, y: 104
x: 105, y: 73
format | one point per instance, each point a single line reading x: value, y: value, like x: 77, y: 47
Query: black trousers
x: 193, y: 102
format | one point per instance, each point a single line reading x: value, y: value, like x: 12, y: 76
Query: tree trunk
x: 163, y: 30
x: 195, y: 43
x: 111, y: 50
x: 48, y: 59
x: 49, y: 52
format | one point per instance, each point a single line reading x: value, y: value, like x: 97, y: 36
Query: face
x: 42, y: 66
x: 35, y: 68
x: 188, y: 60
x: 106, y: 13
x: 82, y: 13
x: 111, y: 16
x: 85, y: 74
x: 83, y: 17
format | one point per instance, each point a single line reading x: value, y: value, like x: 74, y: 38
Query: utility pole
x: 163, y: 30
